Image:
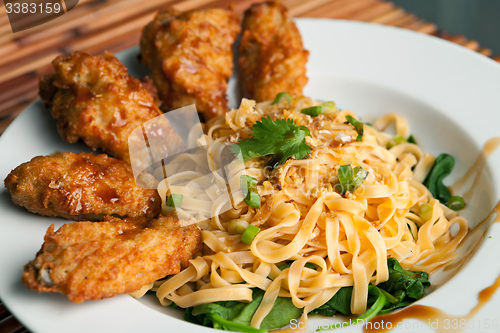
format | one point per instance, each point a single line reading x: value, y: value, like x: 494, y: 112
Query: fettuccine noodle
x: 304, y: 220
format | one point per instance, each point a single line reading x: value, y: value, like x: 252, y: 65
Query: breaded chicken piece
x: 272, y: 58
x: 96, y: 260
x: 93, y: 98
x: 80, y: 187
x: 190, y: 57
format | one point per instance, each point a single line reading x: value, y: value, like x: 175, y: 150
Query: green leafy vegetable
x: 340, y: 302
x: 288, y: 264
x: 281, y: 138
x: 411, y: 139
x: 236, y: 316
x: 174, y: 200
x: 434, y: 181
x: 280, y: 96
x: 407, y: 286
x: 350, y: 179
x: 249, y: 188
x: 358, y: 126
x: 249, y: 234
x: 281, y: 314
x: 373, y: 310
x: 401, y: 289
x: 456, y: 202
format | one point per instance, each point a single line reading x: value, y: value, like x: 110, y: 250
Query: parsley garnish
x: 358, y: 126
x: 281, y: 138
x: 350, y: 179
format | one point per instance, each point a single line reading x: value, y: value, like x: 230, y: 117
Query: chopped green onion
x: 323, y: 108
x: 358, y: 126
x: 237, y: 226
x: 456, y: 202
x: 280, y: 96
x: 328, y: 107
x: 425, y: 212
x: 249, y: 188
x: 312, y: 111
x: 249, y: 234
x: 253, y: 199
x: 350, y: 179
x: 174, y: 200
x: 396, y: 140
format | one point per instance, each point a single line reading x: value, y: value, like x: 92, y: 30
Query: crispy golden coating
x: 96, y: 260
x: 93, y: 98
x: 272, y: 58
x: 80, y: 187
x: 190, y: 56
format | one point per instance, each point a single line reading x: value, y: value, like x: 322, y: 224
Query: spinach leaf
x: 281, y: 314
x: 340, y: 302
x: 236, y: 316
x: 288, y: 264
x: 411, y: 139
x: 401, y: 289
x: 377, y: 299
x: 434, y: 181
x: 403, y: 284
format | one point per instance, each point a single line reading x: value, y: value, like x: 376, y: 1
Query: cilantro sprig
x: 280, y: 138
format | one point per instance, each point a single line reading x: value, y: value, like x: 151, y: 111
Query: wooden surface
x: 114, y: 25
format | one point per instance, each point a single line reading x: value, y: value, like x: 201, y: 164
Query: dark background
x: 475, y: 19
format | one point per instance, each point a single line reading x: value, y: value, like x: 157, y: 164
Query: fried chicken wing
x: 93, y: 98
x: 272, y: 58
x: 96, y: 260
x: 80, y: 187
x: 190, y: 56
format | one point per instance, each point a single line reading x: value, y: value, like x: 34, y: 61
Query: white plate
x: 448, y: 93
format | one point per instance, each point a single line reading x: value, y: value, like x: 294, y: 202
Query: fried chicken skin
x: 96, y: 260
x: 80, y: 187
x: 93, y: 98
x: 272, y: 58
x: 190, y: 57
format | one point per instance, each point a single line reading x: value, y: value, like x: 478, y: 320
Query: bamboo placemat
x: 114, y: 25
